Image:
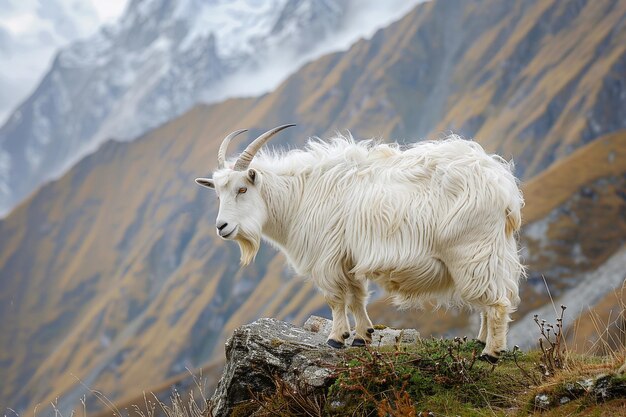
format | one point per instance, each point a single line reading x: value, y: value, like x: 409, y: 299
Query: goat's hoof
x: 335, y: 344
x: 480, y: 342
x: 370, y: 330
x: 345, y: 335
x: 488, y: 358
x: 358, y: 342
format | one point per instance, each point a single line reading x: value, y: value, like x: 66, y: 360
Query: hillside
x: 574, y: 217
x: 113, y: 273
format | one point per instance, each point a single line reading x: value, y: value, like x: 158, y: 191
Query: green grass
x: 446, y: 378
x: 443, y: 376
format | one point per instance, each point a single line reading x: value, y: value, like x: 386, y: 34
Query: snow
x: 5, y: 168
x: 234, y: 24
x: 31, y: 32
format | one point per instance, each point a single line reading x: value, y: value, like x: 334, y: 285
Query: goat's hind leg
x: 491, y: 285
x: 341, y: 327
x: 358, y: 301
x: 498, y: 318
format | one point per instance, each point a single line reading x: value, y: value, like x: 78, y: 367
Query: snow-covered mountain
x: 32, y: 31
x: 157, y: 61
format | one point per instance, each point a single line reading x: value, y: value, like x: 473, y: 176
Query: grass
x: 443, y: 377
x: 438, y: 375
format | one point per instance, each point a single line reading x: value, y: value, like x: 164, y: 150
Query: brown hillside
x: 575, y: 217
x: 113, y: 273
x: 604, y: 157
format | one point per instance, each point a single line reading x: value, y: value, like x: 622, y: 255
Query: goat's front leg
x: 498, y: 317
x: 341, y: 328
x: 358, y: 301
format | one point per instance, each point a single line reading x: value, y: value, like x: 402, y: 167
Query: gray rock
x: 266, y: 349
x: 542, y: 402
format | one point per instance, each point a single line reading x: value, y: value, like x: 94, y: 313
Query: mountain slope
x: 575, y: 218
x: 113, y: 272
x: 157, y: 61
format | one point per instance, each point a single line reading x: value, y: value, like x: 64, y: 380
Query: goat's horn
x: 246, y: 156
x: 221, y: 154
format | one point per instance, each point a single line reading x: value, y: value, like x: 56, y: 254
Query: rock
x: 542, y: 402
x: 381, y: 337
x: 608, y: 387
x: 266, y: 349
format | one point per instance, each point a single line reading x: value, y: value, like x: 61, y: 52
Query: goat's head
x: 242, y: 210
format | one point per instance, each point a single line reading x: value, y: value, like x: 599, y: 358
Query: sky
x: 31, y: 31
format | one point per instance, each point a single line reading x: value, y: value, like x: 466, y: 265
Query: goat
x: 432, y: 221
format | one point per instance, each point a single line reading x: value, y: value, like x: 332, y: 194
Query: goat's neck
x: 282, y: 196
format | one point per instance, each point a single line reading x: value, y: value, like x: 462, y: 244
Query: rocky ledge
x: 259, y: 353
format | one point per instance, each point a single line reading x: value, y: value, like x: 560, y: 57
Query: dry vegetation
x: 444, y: 378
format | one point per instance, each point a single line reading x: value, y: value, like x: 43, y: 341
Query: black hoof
x: 335, y: 344
x: 370, y: 330
x: 488, y: 358
x: 358, y: 342
x: 345, y: 335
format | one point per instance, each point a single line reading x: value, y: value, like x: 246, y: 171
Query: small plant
x: 287, y: 400
x: 434, y: 373
x: 552, y: 345
x: 552, y: 349
x: 401, y: 405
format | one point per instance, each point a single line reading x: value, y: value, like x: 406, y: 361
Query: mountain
x: 113, y: 274
x: 30, y: 33
x: 157, y: 61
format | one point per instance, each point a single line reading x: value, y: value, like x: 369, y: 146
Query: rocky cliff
x: 276, y: 368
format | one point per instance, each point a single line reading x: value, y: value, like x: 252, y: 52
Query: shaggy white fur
x: 432, y: 221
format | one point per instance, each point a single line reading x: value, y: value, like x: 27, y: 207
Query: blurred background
x: 111, y: 275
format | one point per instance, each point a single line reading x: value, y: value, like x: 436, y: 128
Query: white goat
x: 434, y: 221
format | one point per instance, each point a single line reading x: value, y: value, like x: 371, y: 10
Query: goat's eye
x: 242, y: 190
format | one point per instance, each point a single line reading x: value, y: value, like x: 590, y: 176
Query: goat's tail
x: 513, y: 221
x: 515, y: 200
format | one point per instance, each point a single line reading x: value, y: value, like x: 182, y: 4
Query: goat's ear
x: 205, y: 182
x: 252, y: 175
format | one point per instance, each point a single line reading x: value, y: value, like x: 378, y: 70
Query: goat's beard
x: 249, y: 245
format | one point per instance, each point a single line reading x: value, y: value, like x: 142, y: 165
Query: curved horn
x: 246, y: 156
x: 221, y: 154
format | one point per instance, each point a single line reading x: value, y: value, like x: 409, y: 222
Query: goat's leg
x: 498, y: 318
x: 489, y: 281
x: 482, y: 334
x: 341, y: 328
x: 358, y: 301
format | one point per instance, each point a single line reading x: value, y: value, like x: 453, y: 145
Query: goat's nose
x: 221, y: 225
